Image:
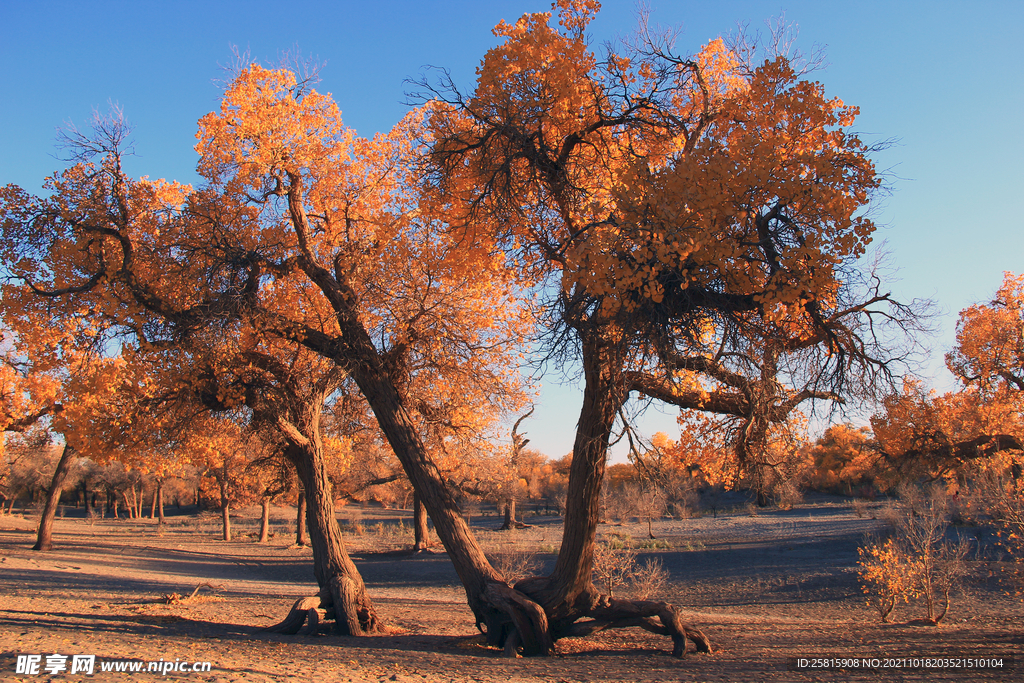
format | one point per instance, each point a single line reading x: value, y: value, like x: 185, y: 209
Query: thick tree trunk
x: 510, y: 515
x: 300, y: 520
x: 341, y: 587
x: 44, y: 537
x: 421, y: 532
x: 265, y: 521
x: 466, y: 555
x: 510, y: 522
x: 572, y: 587
x: 569, y: 594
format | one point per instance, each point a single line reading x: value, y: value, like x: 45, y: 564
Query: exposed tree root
x: 616, y: 613
x: 296, y: 617
x: 315, y: 613
x: 519, y: 622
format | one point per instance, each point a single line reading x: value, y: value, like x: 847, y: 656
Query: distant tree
x: 972, y: 437
x: 842, y: 459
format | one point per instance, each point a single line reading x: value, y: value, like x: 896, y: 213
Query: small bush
x: 884, y: 574
x: 788, y: 495
x: 917, y: 561
x: 648, y: 580
x: 616, y: 568
x: 613, y: 566
x: 515, y: 563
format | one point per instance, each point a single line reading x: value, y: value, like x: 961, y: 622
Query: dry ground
x: 765, y: 589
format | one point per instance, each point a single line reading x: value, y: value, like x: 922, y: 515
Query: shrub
x: 886, y: 574
x: 917, y: 561
x: 613, y: 565
x: 515, y: 563
x: 788, y: 495
x: 616, y: 567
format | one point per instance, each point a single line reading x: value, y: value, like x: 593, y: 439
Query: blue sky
x: 941, y: 78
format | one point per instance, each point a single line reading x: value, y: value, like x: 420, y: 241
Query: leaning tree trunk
x: 499, y: 610
x: 421, y: 532
x: 44, y: 537
x: 495, y: 605
x: 342, y: 595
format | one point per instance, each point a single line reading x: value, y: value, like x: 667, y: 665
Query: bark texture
x: 44, y: 536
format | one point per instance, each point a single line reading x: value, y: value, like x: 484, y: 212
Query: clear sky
x: 941, y: 78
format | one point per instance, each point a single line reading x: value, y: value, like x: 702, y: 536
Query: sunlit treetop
x: 990, y: 340
x: 648, y: 180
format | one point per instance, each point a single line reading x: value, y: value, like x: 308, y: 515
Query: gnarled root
x: 516, y: 622
x: 314, y: 612
x: 598, y: 612
x: 297, y: 616
x: 615, y: 613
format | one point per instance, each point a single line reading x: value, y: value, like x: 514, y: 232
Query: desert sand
x: 766, y: 589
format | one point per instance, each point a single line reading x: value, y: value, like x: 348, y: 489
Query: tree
x: 989, y: 352
x: 305, y: 235
x: 510, y: 480
x: 977, y: 431
x: 917, y: 561
x: 842, y: 459
x: 923, y: 436
x: 50, y: 377
x: 698, y: 222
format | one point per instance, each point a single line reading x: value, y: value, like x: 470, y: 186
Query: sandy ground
x: 766, y: 589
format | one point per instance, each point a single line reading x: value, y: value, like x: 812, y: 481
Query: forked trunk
x: 44, y: 537
x: 513, y: 618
